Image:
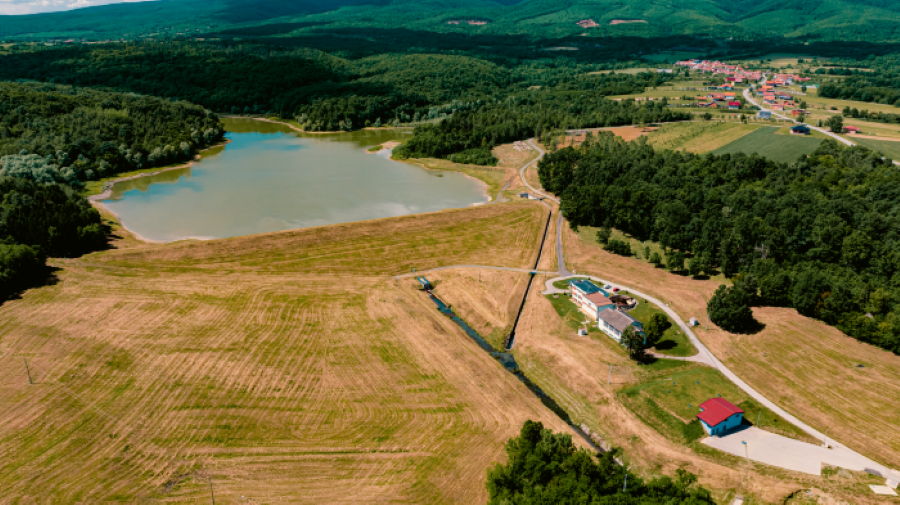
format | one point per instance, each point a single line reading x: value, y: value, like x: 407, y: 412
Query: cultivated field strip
x: 153, y: 379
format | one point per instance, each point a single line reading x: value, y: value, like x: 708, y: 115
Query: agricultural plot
x: 766, y: 142
x: 891, y: 149
x: 281, y: 367
x: 698, y: 137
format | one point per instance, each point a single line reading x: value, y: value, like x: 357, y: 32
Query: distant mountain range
x: 869, y: 20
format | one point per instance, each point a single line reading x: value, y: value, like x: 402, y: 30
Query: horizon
x: 26, y: 7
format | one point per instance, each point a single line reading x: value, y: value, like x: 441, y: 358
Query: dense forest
x: 468, y: 137
x: 820, y: 235
x: 546, y: 467
x: 54, y: 133
x: 320, y: 91
x: 880, y: 83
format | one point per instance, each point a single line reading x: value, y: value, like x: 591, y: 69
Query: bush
x: 619, y: 247
x: 20, y: 267
x: 729, y: 308
x: 480, y: 156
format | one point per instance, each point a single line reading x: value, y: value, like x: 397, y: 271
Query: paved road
x: 839, y: 452
x: 782, y: 116
x: 560, y: 258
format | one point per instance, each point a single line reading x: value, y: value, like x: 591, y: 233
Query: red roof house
x: 718, y: 415
x: 852, y: 129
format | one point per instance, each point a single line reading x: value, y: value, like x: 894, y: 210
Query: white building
x: 614, y: 323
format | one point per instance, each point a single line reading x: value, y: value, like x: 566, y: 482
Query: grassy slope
x: 284, y: 367
x: 803, y: 365
x: 682, y: 395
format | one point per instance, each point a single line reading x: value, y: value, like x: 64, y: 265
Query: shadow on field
x: 46, y: 277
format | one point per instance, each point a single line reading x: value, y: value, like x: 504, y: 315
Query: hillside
x: 874, y: 20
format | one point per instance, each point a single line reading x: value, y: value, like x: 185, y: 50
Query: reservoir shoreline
x: 200, y: 205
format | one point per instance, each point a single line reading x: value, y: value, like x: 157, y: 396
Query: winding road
x: 842, y: 455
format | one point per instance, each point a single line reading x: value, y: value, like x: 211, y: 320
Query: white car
x: 607, y: 287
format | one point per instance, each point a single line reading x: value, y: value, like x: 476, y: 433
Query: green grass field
x: 699, y: 137
x: 671, y: 403
x: 674, y: 342
x: 891, y: 149
x: 766, y: 142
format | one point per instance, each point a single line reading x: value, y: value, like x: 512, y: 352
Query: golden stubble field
x: 805, y: 366
x: 281, y: 367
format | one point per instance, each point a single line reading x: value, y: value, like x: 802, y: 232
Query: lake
x: 271, y: 178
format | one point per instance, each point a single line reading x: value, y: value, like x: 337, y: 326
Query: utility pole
x: 625, y: 485
x: 211, y: 495
x: 609, y: 380
x: 826, y: 437
x: 28, y: 370
x: 757, y: 418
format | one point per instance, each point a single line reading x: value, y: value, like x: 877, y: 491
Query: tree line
x: 56, y: 133
x: 321, y: 91
x: 820, y: 235
x: 469, y: 136
x: 39, y: 220
x: 546, y: 467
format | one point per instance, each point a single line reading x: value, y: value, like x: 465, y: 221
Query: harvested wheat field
x: 489, y: 298
x: 282, y: 367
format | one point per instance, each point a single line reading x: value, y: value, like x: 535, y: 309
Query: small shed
x: 800, y: 129
x: 764, y: 114
x: 718, y: 415
x: 852, y: 129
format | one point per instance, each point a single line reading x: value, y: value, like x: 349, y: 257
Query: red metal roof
x: 734, y: 103
x: 716, y: 410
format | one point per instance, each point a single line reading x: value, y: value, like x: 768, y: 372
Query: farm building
x: 800, y: 129
x: 764, y: 114
x: 734, y: 105
x: 614, y: 323
x: 797, y: 112
x: 852, y: 129
x: 718, y: 415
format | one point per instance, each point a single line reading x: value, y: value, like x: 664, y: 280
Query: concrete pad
x: 771, y: 449
x: 783, y: 452
x: 883, y: 490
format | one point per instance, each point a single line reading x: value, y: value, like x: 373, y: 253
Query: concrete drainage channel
x: 509, y: 364
x: 510, y: 339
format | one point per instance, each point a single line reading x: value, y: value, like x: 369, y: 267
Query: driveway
x: 776, y: 450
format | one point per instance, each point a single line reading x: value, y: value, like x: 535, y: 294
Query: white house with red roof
x: 718, y: 416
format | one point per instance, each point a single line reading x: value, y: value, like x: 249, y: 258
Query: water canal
x: 271, y: 178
